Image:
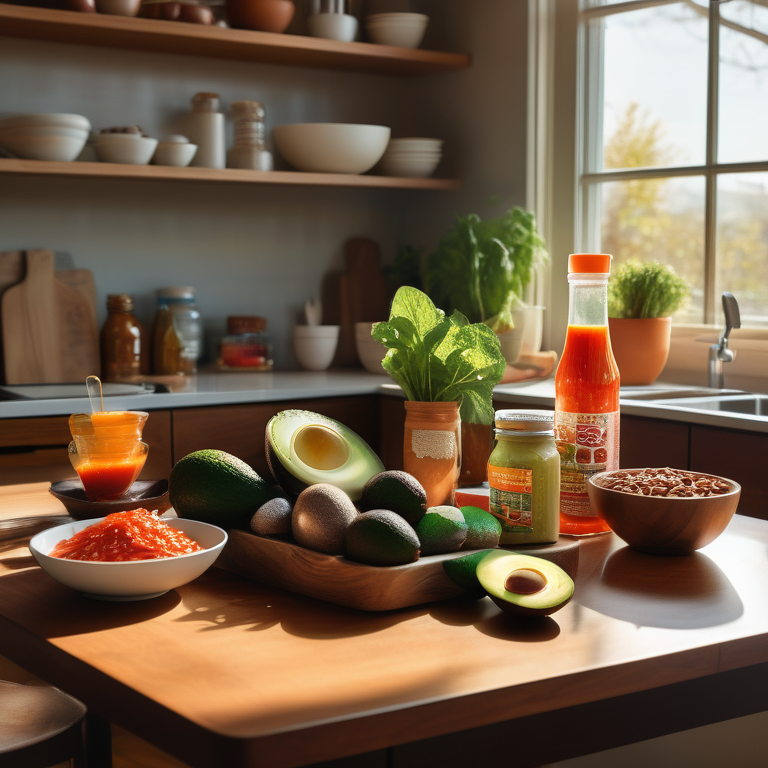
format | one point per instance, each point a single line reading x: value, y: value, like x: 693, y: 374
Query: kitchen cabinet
x: 34, y: 450
x: 653, y: 443
x: 216, y: 42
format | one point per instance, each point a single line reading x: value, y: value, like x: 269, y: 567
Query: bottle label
x: 587, y: 443
x: 511, y: 498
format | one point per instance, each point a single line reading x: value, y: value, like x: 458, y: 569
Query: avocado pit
x: 525, y: 581
x: 320, y: 447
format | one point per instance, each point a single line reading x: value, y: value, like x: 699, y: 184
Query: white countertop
x: 210, y: 389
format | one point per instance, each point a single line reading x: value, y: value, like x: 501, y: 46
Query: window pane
x: 654, y: 86
x: 742, y: 244
x: 659, y: 220
x: 743, y: 92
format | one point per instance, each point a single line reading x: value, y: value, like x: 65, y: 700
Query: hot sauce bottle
x: 586, y: 394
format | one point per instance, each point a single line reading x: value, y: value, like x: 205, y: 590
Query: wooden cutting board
x: 366, y: 587
x: 49, y: 327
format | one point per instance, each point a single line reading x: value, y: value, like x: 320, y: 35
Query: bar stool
x: 39, y: 726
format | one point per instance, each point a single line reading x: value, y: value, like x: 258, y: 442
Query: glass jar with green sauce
x: 524, y: 478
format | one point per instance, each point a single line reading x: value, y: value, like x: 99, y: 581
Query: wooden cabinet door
x: 240, y: 429
x: 739, y: 456
x: 652, y: 443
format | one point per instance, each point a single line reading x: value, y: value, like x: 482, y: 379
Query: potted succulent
x: 642, y: 297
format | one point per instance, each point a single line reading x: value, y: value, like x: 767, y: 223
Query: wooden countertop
x: 228, y: 671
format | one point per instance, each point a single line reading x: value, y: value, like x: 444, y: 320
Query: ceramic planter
x: 641, y: 347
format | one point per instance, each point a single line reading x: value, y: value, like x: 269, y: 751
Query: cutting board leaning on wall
x: 48, y: 320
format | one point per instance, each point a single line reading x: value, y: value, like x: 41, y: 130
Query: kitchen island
x: 228, y: 672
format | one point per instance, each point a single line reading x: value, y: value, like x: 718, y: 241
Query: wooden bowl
x: 663, y: 525
x: 150, y: 494
x: 260, y: 15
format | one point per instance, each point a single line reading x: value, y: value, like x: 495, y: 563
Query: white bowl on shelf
x: 341, y: 27
x: 173, y: 153
x: 129, y: 149
x: 315, y: 345
x: 131, y: 580
x: 410, y: 166
x: 50, y: 120
x: 404, y: 30
x: 44, y: 130
x: 370, y: 351
x: 331, y: 147
x: 51, y: 147
x: 415, y: 145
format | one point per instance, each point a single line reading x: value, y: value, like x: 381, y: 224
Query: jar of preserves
x: 121, y: 340
x: 180, y: 301
x: 247, y: 345
x: 524, y: 478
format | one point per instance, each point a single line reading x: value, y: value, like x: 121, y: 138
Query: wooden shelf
x: 221, y: 43
x: 229, y: 175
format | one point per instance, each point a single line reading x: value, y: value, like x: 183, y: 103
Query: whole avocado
x: 397, y: 491
x: 218, y: 488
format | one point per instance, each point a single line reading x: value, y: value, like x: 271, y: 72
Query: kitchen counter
x: 227, y: 671
x: 209, y: 389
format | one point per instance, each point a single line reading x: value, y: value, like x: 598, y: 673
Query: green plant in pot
x: 447, y: 368
x: 642, y: 297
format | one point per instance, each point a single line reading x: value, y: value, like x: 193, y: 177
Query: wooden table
x: 227, y: 672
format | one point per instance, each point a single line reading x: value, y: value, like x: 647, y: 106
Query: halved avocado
x: 305, y: 448
x: 523, y: 584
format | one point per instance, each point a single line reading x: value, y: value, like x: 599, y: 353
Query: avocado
x: 273, y: 518
x: 381, y: 537
x: 523, y: 584
x: 462, y: 571
x: 397, y: 491
x: 320, y: 518
x: 442, y: 529
x: 483, y: 529
x: 218, y: 488
x: 304, y: 448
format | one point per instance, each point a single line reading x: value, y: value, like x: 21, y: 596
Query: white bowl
x: 52, y: 148
x: 45, y: 130
x: 412, y: 155
x: 139, y: 151
x: 409, y: 167
x: 370, y: 351
x: 315, y: 345
x: 333, y: 26
x: 133, y: 580
x: 66, y: 121
x: 404, y: 30
x: 172, y: 153
x: 331, y: 147
x: 118, y: 7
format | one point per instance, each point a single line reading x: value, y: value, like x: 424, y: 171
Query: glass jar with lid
x: 524, y: 477
x: 187, y: 323
x: 121, y: 341
x: 247, y: 345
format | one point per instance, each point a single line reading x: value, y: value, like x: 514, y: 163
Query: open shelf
x: 11, y: 166
x: 221, y: 43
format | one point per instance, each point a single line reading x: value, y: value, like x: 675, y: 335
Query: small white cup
x: 315, y: 345
x: 333, y: 26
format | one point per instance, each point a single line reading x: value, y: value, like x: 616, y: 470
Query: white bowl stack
x: 412, y: 157
x: 50, y: 137
x: 127, y: 148
x: 404, y: 30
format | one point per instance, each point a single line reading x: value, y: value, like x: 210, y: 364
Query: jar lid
x: 589, y: 263
x: 248, y: 109
x: 525, y: 421
x: 206, y: 102
x: 176, y: 292
x: 120, y: 302
x: 238, y: 324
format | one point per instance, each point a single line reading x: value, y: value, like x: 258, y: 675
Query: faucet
x: 719, y: 353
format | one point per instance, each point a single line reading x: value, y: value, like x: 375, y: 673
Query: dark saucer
x: 150, y: 494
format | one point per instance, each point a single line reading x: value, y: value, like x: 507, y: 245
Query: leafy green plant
x: 435, y: 358
x: 482, y: 267
x: 645, y: 289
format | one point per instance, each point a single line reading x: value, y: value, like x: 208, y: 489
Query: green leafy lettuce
x: 435, y: 358
x: 482, y: 267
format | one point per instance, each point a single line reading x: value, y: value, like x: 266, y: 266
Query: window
x: 673, y: 162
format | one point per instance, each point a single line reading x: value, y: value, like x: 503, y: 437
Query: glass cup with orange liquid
x: 107, y: 451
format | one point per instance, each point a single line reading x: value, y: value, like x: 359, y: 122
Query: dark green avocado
x: 398, y: 491
x: 304, y: 448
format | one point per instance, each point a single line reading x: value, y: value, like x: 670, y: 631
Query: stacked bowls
x: 404, y: 30
x: 126, y: 148
x: 54, y: 137
x: 414, y: 157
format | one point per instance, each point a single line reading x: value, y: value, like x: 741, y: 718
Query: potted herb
x: 483, y: 267
x: 642, y: 297
x: 447, y: 368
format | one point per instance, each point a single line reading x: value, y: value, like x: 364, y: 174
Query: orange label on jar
x: 510, y: 498
x: 587, y: 443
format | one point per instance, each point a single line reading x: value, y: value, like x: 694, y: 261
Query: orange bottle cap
x: 589, y: 262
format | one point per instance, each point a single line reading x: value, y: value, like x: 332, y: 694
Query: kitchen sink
x: 751, y: 405
x: 669, y: 394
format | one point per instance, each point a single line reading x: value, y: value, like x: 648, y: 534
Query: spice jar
x: 206, y: 128
x: 167, y: 347
x: 187, y: 323
x: 121, y: 340
x: 247, y: 345
x: 524, y: 478
x: 250, y: 149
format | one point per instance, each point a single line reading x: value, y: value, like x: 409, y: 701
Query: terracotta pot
x: 261, y: 15
x: 641, y: 347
